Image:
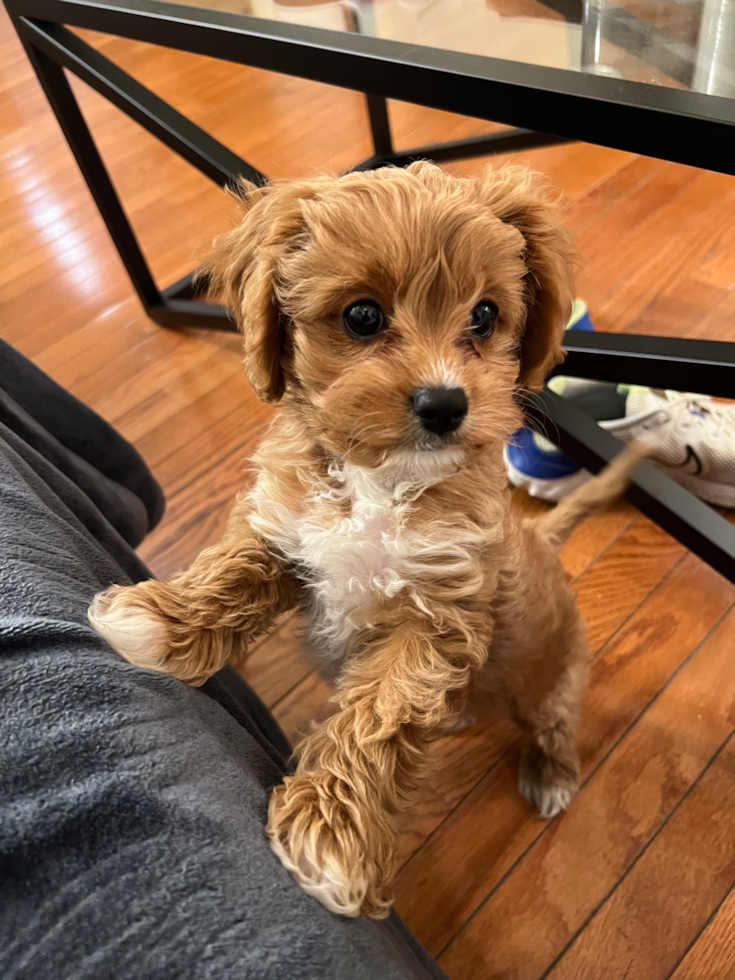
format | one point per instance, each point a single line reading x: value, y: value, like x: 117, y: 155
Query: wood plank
x: 641, y: 206
x: 718, y: 322
x: 459, y: 761
x: 89, y: 275
x: 595, y: 535
x: 240, y: 431
x: 173, y: 549
x: 448, y: 878
x: 36, y: 319
x: 98, y: 343
x: 156, y: 363
x: 306, y: 702
x: 206, y: 375
x: 196, y: 516
x: 414, y: 125
x: 599, y: 200
x: 713, y: 952
x: 716, y: 266
x: 278, y: 663
x: 687, y: 308
x: 569, y: 167
x: 577, y: 861
x: 652, y: 255
x: 193, y: 440
x: 657, y: 910
x: 613, y: 587
x: 588, y: 540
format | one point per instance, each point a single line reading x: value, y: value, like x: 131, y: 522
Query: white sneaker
x: 690, y: 436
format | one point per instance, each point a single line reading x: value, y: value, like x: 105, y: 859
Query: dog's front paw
x: 316, y: 839
x: 548, y: 783
x: 151, y: 626
x: 130, y: 627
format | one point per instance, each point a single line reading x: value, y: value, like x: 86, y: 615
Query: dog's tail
x: 558, y: 524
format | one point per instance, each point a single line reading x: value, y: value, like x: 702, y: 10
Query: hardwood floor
x: 636, y: 880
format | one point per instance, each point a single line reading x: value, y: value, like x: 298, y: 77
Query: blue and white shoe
x: 580, y: 318
x: 536, y: 465
x: 534, y: 462
x: 690, y: 437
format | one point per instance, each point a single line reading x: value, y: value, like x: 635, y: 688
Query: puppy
x: 394, y: 314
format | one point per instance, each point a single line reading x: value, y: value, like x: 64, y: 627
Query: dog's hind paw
x: 547, y: 783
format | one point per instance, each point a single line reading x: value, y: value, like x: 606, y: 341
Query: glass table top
x: 684, y: 44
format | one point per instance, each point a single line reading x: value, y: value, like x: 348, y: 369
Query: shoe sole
x: 717, y: 494
x: 552, y: 491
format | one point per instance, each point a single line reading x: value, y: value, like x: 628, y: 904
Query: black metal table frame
x: 672, y: 124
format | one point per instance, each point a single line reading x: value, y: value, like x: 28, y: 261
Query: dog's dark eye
x: 484, y: 317
x: 363, y: 319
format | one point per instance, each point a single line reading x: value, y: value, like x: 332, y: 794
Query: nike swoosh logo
x: 691, y: 456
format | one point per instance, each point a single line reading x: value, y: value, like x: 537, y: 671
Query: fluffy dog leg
x: 193, y: 624
x: 548, y: 775
x: 333, y: 824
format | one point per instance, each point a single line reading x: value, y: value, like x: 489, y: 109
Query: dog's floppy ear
x: 244, y: 265
x: 514, y: 194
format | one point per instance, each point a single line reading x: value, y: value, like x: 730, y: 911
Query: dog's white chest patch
x: 347, y: 558
x: 354, y: 544
x: 351, y: 557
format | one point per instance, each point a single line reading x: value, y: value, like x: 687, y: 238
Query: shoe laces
x: 698, y: 411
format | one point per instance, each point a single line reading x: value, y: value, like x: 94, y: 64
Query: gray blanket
x: 132, y: 806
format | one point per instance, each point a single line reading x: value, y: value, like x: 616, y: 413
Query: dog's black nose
x: 441, y: 410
